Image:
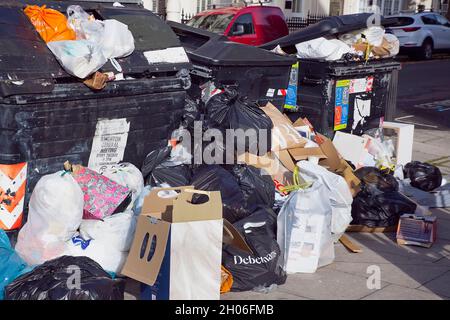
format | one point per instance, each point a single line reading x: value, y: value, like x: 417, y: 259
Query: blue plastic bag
x: 11, y: 265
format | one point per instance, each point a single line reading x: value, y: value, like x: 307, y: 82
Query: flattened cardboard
x: 303, y: 153
x: 351, y: 147
x: 270, y: 163
x: 366, y: 229
x: 284, y: 135
x: 233, y: 237
x: 286, y: 159
x: 333, y: 160
x: 139, y: 268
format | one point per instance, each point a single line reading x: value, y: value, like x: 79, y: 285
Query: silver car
x: 421, y: 34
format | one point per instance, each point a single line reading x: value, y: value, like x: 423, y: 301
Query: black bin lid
x: 215, y: 50
x: 327, y: 27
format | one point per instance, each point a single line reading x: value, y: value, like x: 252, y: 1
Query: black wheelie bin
x: 260, y: 75
x: 349, y: 96
x: 48, y: 116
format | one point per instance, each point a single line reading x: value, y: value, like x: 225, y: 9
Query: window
x: 403, y: 21
x: 297, y: 6
x: 215, y: 22
x: 430, y: 19
x: 288, y: 5
x: 442, y: 21
x: 246, y: 21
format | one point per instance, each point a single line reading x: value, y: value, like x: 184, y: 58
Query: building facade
x: 299, y: 8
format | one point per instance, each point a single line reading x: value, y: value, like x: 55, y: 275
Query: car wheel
x: 426, y: 51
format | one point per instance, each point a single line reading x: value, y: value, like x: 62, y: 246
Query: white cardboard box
x: 405, y: 140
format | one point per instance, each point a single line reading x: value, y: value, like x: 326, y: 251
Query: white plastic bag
x: 114, y: 38
x: 340, y: 196
x: 116, y: 231
x: 322, y: 48
x: 126, y: 174
x: 304, y: 230
x: 109, y: 258
x: 85, y: 26
x: 79, y: 58
x: 55, y: 213
x: 117, y: 41
x: 374, y: 35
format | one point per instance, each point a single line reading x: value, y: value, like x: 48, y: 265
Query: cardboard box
x: 177, y: 247
x: 284, y: 135
x: 404, y: 140
x: 416, y: 230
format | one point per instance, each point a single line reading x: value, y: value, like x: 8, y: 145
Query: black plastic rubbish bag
x: 157, y: 169
x: 57, y: 280
x: 216, y: 178
x: 379, y: 204
x: 191, y: 114
x: 175, y: 176
x: 228, y: 110
x: 154, y: 159
x: 371, y: 176
x: 380, y: 210
x: 256, y: 185
x: 261, y: 268
x: 423, y: 176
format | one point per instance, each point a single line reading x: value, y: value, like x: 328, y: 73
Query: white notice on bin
x: 108, y: 145
x: 169, y: 55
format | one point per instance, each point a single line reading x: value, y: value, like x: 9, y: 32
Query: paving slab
x: 328, y: 284
x: 439, y: 286
x: 277, y: 294
x: 382, y: 248
x: 395, y: 292
x: 407, y: 275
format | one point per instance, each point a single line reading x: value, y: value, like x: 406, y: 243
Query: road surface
x: 424, y: 94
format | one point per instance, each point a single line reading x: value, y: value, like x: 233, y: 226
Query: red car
x: 253, y: 25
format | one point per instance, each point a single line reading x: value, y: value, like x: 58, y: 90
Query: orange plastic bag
x: 227, y: 281
x: 50, y: 24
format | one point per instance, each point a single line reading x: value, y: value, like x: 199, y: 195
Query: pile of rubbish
x: 81, y: 43
x: 360, y: 45
x: 239, y: 197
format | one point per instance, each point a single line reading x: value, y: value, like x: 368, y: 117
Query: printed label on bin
x: 291, y: 94
x: 270, y: 93
x: 108, y: 145
x: 12, y: 193
x: 169, y: 55
x: 361, y: 111
x: 341, y: 104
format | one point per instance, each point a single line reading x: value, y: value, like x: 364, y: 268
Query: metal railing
x: 296, y: 23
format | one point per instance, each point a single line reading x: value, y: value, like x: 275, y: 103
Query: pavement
x: 406, y: 272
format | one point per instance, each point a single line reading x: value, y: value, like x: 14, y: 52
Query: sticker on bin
x: 270, y: 93
x: 291, y: 92
x: 169, y: 55
x: 108, y: 145
x: 361, y: 85
x: 341, y: 104
x: 361, y: 111
x: 13, y: 179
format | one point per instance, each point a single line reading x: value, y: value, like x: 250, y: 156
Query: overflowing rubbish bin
x: 340, y: 94
x: 260, y: 75
x: 49, y: 116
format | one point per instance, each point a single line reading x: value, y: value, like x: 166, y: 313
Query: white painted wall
x: 148, y: 4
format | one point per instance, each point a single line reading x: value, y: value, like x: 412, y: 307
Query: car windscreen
x: 403, y: 21
x: 217, y: 23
